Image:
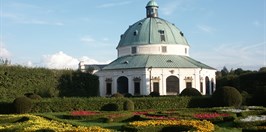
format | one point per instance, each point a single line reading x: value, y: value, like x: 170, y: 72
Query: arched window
x: 172, y: 85
x: 207, y: 85
x: 122, y: 85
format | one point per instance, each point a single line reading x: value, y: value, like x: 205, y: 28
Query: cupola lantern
x: 152, y: 9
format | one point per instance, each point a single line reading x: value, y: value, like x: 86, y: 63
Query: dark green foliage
x: 110, y: 107
x: 154, y: 94
x: 17, y: 80
x: 245, y: 98
x: 227, y: 96
x: 96, y: 103
x: 190, y: 92
x: 228, y: 80
x: 262, y: 69
x: 128, y: 95
x: 33, y: 96
x: 117, y: 95
x: 200, y: 102
x: 128, y: 105
x: 161, y: 103
x: 6, y: 108
x: 259, y: 98
x: 50, y: 92
x: 249, y: 82
x: 78, y: 84
x: 22, y: 105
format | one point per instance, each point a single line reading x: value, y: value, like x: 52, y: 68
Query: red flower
x: 210, y: 115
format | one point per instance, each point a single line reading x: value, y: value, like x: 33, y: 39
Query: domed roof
x: 152, y: 3
x: 152, y: 30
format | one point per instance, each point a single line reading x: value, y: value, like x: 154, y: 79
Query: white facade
x: 171, y: 49
x: 201, y: 79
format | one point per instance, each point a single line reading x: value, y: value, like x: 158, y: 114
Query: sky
x: 59, y: 34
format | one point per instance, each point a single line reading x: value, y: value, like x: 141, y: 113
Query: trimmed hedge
x: 96, y: 103
x: 18, y: 80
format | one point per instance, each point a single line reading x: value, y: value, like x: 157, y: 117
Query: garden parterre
x: 198, y: 119
x: 31, y: 123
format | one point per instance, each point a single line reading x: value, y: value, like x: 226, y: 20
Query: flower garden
x: 185, y: 119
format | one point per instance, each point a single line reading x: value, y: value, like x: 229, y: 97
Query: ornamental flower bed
x: 30, y: 123
x: 148, y: 115
x: 254, y: 118
x: 84, y: 113
x: 202, y: 126
x: 251, y: 121
x: 154, y: 115
x: 210, y: 115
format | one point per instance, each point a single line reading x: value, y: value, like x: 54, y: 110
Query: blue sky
x: 58, y: 34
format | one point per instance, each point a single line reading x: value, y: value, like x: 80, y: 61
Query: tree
x: 224, y: 71
x: 262, y: 69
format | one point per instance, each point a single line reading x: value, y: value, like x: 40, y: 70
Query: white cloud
x: 107, y: 5
x: 206, y: 28
x: 4, y: 53
x: 61, y: 60
x: 94, y: 42
x: 87, y: 39
x: 88, y: 60
x: 171, y: 7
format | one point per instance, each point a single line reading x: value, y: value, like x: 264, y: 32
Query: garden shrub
x: 128, y: 105
x: 117, y: 95
x: 200, y: 102
x: 110, y: 107
x: 260, y: 96
x: 190, y: 92
x: 128, y: 95
x: 33, y: 96
x: 245, y: 98
x: 154, y: 94
x: 161, y: 103
x: 227, y: 96
x: 22, y: 105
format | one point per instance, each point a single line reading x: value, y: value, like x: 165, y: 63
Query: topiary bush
x: 33, y: 96
x: 128, y: 105
x: 190, y: 92
x: 245, y: 98
x: 227, y: 96
x: 110, y: 107
x: 154, y: 94
x: 22, y: 105
x: 117, y: 95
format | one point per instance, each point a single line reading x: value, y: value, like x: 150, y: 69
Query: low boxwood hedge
x: 97, y: 103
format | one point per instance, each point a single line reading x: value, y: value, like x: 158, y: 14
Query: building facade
x: 153, y: 56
